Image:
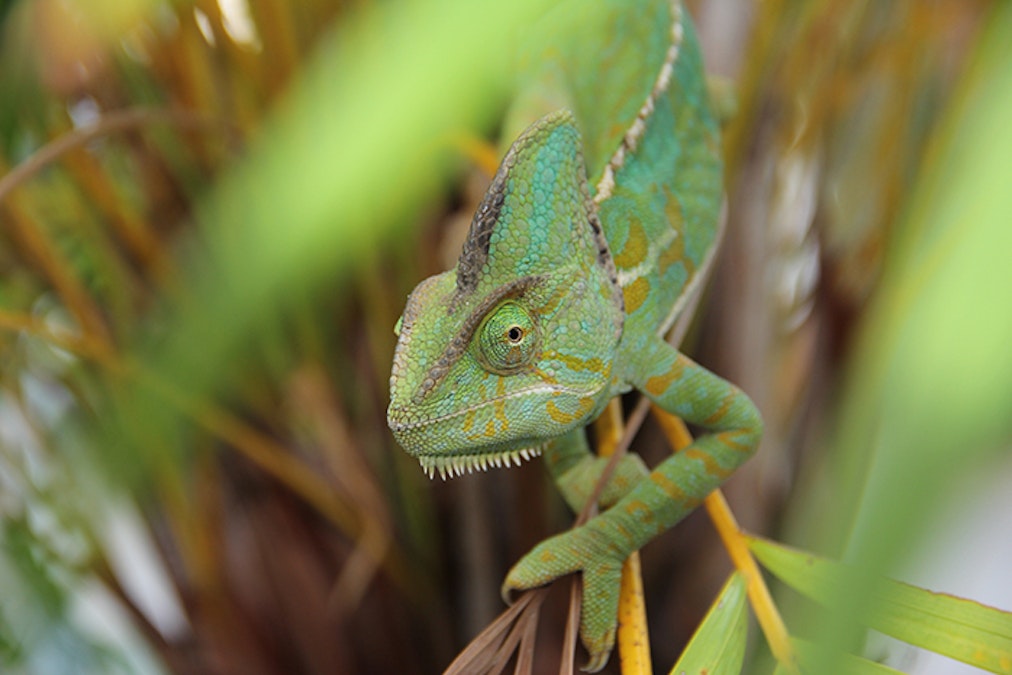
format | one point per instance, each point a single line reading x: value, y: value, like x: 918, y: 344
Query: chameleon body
x: 597, y: 228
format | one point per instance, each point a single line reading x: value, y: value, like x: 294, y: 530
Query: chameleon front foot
x: 587, y: 551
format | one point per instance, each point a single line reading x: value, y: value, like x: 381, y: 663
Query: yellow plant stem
x: 633, y: 634
x: 609, y: 429
x: 737, y: 547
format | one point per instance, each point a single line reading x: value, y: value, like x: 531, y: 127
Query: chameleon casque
x: 598, y: 227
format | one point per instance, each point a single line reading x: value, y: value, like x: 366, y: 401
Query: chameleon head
x: 515, y: 345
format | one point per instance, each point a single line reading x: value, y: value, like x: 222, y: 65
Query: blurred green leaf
x: 718, y: 646
x: 360, y: 143
x: 927, y: 401
x: 843, y: 664
x: 956, y: 627
x: 935, y: 346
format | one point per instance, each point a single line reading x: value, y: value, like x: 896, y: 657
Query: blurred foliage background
x: 211, y: 213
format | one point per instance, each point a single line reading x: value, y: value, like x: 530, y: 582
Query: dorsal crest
x: 475, y: 250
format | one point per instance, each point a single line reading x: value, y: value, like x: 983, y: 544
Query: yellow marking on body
x: 726, y: 439
x: 658, y: 384
x: 545, y: 377
x: 670, y: 487
x: 624, y: 531
x: 575, y: 363
x: 554, y: 301
x: 469, y: 421
x: 722, y: 411
x: 499, y: 404
x: 563, y: 417
x: 709, y: 463
x: 490, y: 429
x: 636, y: 246
x: 674, y: 254
x: 637, y: 505
x: 675, y: 251
x: 635, y: 294
x: 621, y: 483
x: 499, y: 407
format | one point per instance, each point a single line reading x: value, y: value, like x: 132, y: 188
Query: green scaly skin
x: 567, y: 284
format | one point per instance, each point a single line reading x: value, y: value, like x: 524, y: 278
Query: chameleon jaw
x: 455, y: 465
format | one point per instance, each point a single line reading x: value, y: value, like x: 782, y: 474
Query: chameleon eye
x: 507, y: 339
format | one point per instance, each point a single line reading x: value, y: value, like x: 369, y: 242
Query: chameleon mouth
x: 456, y: 465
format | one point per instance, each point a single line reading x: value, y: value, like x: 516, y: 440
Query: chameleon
x: 596, y: 231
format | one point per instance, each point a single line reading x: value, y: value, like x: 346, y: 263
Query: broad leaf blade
x: 718, y: 646
x: 955, y: 627
x: 848, y: 664
x: 811, y: 658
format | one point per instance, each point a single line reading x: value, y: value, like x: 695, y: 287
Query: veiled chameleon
x: 597, y: 228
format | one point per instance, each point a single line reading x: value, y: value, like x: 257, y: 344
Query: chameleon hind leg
x: 673, y: 489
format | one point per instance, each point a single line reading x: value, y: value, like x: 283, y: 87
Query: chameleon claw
x: 596, y: 662
x: 506, y: 592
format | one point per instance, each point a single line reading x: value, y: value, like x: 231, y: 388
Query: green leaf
x: 811, y: 656
x: 718, y: 646
x: 955, y: 627
x: 357, y: 145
